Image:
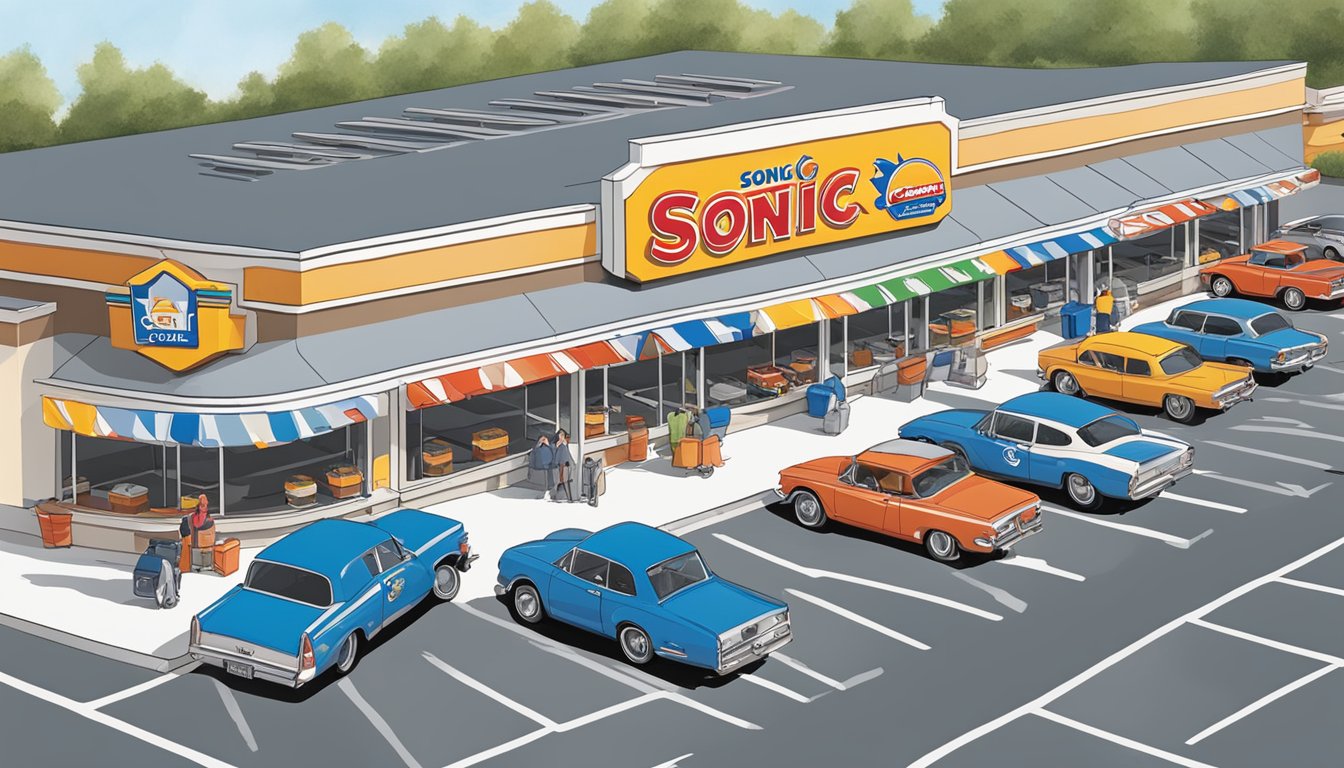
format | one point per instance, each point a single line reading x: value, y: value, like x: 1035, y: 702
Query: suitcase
x: 159, y: 562
x: 436, y: 457
x: 490, y: 439
x: 861, y: 357
x: 300, y: 491
x: 836, y: 419
x: 493, y: 454
x: 710, y: 456
x: 767, y: 380
x: 639, y: 437
x: 594, y: 421
x: 226, y: 557
x: 129, y: 499
x: 687, y: 454
x: 594, y: 481
x: 344, y: 481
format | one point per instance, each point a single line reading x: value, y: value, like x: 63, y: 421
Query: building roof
x: 1053, y: 406
x: 635, y: 545
x: 148, y: 185
x: 325, y: 546
x: 1241, y: 309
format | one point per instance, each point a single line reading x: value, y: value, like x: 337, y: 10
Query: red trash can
x: 54, y: 523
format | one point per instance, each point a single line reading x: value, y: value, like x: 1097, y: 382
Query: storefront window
x: 729, y: 378
x: 263, y: 479
x: 1149, y: 259
x: 876, y: 336
x: 796, y: 354
x: 1219, y: 236
x: 836, y: 343
x: 633, y: 388
x: 595, y: 405
x: 952, y: 315
x: 1035, y: 291
x: 105, y: 463
x: 470, y: 429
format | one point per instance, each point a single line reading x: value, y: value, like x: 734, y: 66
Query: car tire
x: 1179, y: 408
x: 1294, y: 299
x: 1081, y: 492
x: 447, y: 582
x: 1330, y: 253
x: 635, y: 644
x: 1221, y: 287
x: 347, y: 654
x: 941, y: 546
x: 1066, y: 384
x: 807, y: 510
x: 527, y: 604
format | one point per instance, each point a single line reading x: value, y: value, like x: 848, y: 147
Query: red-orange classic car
x: 914, y: 491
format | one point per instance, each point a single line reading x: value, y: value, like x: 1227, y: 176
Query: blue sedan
x: 312, y: 598
x: 648, y: 590
x: 1240, y: 331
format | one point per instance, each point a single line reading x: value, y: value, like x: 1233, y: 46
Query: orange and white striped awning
x: 1146, y: 222
x: 460, y: 385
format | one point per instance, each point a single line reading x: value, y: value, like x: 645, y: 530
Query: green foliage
x: 28, y: 99
x: 430, y: 55
x: 1330, y: 164
x: 538, y: 39
x: 612, y: 31
x: 876, y: 29
x: 326, y: 67
x: 1305, y: 30
x: 117, y: 100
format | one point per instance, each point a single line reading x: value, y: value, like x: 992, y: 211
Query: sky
x: 212, y: 44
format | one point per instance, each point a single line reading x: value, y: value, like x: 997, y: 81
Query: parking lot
x: 1205, y: 627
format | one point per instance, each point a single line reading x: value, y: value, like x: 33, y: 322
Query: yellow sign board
x: 174, y: 316
x: 702, y: 214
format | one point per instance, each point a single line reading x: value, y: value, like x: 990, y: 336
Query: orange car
x: 914, y: 491
x: 1276, y: 269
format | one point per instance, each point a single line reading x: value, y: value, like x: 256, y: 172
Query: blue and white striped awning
x: 1035, y: 254
x: 688, y: 335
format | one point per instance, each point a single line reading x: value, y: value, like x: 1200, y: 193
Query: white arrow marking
x: 1037, y: 564
x: 1268, y: 454
x: 1285, y: 420
x: 1282, y: 489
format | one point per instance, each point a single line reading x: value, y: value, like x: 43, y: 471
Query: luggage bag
x: 226, y: 557
x: 436, y: 456
x: 157, y: 576
x: 344, y: 481
x: 129, y: 499
x: 836, y: 419
x: 594, y: 480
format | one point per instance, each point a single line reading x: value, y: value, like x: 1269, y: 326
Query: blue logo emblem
x: 164, y: 313
x: 908, y: 188
x: 1010, y: 456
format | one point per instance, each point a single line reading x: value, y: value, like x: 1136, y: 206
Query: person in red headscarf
x: 199, y: 530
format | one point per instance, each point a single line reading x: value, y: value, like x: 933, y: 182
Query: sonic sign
x: 683, y: 217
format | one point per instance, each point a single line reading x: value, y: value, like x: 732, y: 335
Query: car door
x: 404, y: 581
x: 1099, y: 373
x: 1271, y: 277
x: 1011, y: 436
x: 575, y: 594
x: 1047, y: 458
x: 1217, y: 331
x: 1184, y: 326
x: 1137, y: 383
x: 619, y: 593
x: 859, y: 498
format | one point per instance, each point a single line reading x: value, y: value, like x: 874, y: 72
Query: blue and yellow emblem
x: 910, y: 188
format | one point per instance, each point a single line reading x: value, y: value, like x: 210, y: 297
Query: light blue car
x: 648, y: 590
x: 1045, y: 438
x: 1240, y: 331
x: 311, y: 599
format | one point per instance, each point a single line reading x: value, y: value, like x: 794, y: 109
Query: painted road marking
x: 1260, y: 703
x: 674, y: 761
x: 1038, y: 564
x: 774, y: 687
x: 1114, y: 738
x: 856, y: 680
x: 89, y: 713
x: 817, y: 573
x: 1269, y: 454
x: 236, y: 713
x: 1269, y: 643
x: 471, y: 682
x: 1311, y: 585
x: 845, y: 613
x: 136, y: 690
x: 1284, y: 420
x: 1214, y: 504
x: 1040, y: 702
x: 1289, y: 431
x: 1308, y: 403
x: 377, y: 721
x: 1001, y: 596
x: 1165, y: 538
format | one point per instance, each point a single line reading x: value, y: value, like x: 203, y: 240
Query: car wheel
x: 347, y: 654
x: 1178, y: 408
x: 527, y: 604
x: 1221, y: 287
x: 1081, y: 492
x: 446, y: 582
x: 1330, y: 253
x: 1294, y: 299
x: 807, y: 509
x: 941, y: 546
x: 1066, y: 384
x: 636, y: 645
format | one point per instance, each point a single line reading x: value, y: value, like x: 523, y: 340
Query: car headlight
x: 1188, y: 457
x: 1279, y: 358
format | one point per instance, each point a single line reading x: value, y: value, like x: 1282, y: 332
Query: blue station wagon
x: 648, y: 590
x: 1241, y: 331
x: 312, y: 598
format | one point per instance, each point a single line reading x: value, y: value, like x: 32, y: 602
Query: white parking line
x: 471, y: 682
x: 136, y: 690
x: 1269, y: 643
x: 1137, y: 746
x: 236, y: 714
x: 1001, y: 596
x: 1311, y: 585
x: 1290, y: 431
x: 605, y: 712
x: 1214, y: 504
x: 774, y: 687
x: 1038, y: 564
x: 1268, y: 454
x: 817, y: 573
x: 1165, y: 538
x: 1281, y: 488
x: 1260, y: 703
x: 377, y: 721
x: 845, y: 613
x: 674, y: 761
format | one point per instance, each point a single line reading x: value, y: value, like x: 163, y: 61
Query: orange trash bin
x: 226, y: 557
x: 639, y: 437
x: 54, y: 523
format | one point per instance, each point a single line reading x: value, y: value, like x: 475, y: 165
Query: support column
x: 823, y: 364
x: 221, y: 481
x: 578, y: 404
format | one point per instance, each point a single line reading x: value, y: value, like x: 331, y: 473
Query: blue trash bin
x: 719, y: 416
x: 1075, y: 320
x: 838, y: 387
x: 819, y: 399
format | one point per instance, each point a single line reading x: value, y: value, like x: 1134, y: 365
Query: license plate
x: 241, y: 670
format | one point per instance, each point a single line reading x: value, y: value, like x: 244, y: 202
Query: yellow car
x: 1146, y: 370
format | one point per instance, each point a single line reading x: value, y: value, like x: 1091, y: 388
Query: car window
x: 1295, y: 260
x: 1087, y: 358
x: 941, y: 475
x: 389, y: 554
x: 289, y: 582
x: 1270, y: 323
x: 1010, y: 427
x: 620, y: 579
x: 1136, y: 367
x: 1108, y: 428
x: 1222, y: 326
x: 1183, y: 318
x: 893, y: 482
x: 1109, y: 361
x: 370, y: 559
x: 1047, y: 435
x: 1267, y: 259
x: 1332, y: 222
x: 869, y: 477
x: 563, y: 562
x: 589, y: 567
x: 677, y: 573
x: 1180, y: 361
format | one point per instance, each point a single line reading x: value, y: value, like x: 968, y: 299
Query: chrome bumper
x: 261, y: 670
x: 1015, y: 534
x: 1160, y: 483
x: 1301, y: 361
x: 757, y: 649
x: 1236, y: 396
x: 1334, y: 294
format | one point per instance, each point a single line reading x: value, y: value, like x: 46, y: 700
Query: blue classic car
x: 311, y: 598
x: 648, y: 590
x: 1045, y: 438
x: 1241, y: 331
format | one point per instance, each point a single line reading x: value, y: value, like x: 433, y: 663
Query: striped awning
x: 1035, y: 254
x: 459, y: 385
x: 1255, y: 195
x: 209, y: 430
x: 1146, y: 222
x: 789, y: 314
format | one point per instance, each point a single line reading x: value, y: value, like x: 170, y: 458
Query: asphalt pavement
x: 1205, y: 627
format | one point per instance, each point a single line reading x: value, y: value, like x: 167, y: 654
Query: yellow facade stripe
x: 71, y: 263
x: 451, y: 262
x: 1098, y: 129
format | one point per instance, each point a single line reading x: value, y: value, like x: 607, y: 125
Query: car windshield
x: 1104, y: 430
x: 934, y: 479
x: 1269, y: 323
x: 671, y: 576
x: 1180, y: 361
x: 289, y: 582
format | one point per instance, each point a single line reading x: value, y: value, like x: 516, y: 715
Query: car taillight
x: 463, y: 546
x: 195, y: 631
x: 306, y: 660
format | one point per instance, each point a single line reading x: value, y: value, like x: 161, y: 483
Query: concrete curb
x: 105, y: 650
x: 731, y: 509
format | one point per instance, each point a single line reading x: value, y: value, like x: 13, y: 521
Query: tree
x: 326, y: 67
x: 693, y: 25
x: 789, y: 33
x: 876, y: 29
x: 612, y: 31
x: 116, y: 100
x: 1243, y: 30
x: 28, y: 99
x: 538, y: 39
x: 430, y: 55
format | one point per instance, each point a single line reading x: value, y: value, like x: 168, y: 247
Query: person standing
x: 199, y: 532
x: 562, y: 462
x: 1105, y: 309
x: 540, y: 463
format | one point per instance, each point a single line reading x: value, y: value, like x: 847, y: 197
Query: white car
x: 1325, y: 234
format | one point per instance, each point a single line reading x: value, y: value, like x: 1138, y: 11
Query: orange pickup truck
x: 1276, y: 269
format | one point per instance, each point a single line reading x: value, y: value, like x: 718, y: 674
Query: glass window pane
x: 634, y: 389
x: 796, y: 354
x: 1048, y: 435
x: 1137, y: 367
x: 620, y: 579
x: 727, y: 379
x: 589, y: 567
x: 1222, y: 326
x: 952, y: 315
x: 876, y: 336
x: 1010, y: 427
x: 837, y: 354
x: 388, y: 554
x: 1219, y: 236
x: 289, y: 582
x: 371, y: 562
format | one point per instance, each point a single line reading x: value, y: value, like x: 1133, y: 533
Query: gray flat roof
x: 148, y: 185
x: 18, y: 305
